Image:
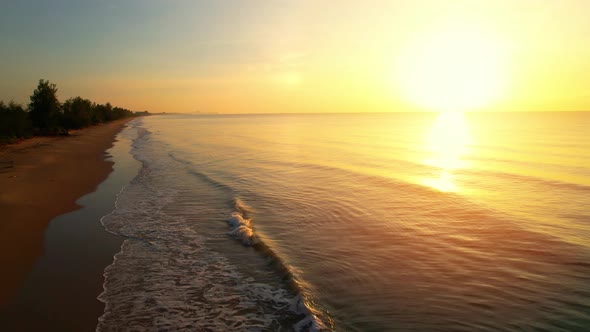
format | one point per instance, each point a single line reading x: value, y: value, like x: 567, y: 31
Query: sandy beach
x: 41, y: 178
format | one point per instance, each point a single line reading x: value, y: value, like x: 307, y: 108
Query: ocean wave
x: 241, y: 224
x: 166, y: 277
x: 241, y: 229
x: 201, y: 175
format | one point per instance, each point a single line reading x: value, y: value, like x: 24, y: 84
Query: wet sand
x: 41, y: 178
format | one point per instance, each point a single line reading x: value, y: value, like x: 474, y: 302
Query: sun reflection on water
x: 447, y: 143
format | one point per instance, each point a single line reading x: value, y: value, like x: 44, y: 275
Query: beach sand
x: 41, y: 178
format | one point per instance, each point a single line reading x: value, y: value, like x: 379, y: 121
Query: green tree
x: 120, y: 113
x: 102, y: 113
x: 77, y: 113
x: 44, y: 108
x: 14, y: 121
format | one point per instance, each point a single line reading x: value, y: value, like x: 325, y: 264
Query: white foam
x: 241, y: 228
x: 166, y: 278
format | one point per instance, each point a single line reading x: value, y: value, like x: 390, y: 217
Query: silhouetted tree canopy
x: 14, y: 121
x: 46, y: 115
x: 44, y: 108
x: 102, y: 113
x: 77, y: 113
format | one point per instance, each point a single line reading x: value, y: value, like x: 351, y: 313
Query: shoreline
x: 46, y: 177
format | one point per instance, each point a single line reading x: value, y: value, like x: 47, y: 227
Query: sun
x: 451, y: 69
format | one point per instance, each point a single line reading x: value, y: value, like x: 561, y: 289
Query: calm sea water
x: 373, y: 222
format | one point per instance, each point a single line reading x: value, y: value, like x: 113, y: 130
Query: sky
x: 260, y: 56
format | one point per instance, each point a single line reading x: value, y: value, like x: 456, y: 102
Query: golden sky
x: 302, y: 56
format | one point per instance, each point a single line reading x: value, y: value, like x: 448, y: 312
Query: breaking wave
x: 166, y: 277
x: 241, y: 224
x: 241, y: 229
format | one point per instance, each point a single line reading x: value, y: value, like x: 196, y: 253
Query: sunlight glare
x: 288, y: 79
x: 447, y: 143
x: 454, y: 69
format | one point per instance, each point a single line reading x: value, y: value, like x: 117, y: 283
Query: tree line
x: 45, y: 115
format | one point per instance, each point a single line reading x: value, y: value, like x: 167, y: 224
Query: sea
x: 353, y: 222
